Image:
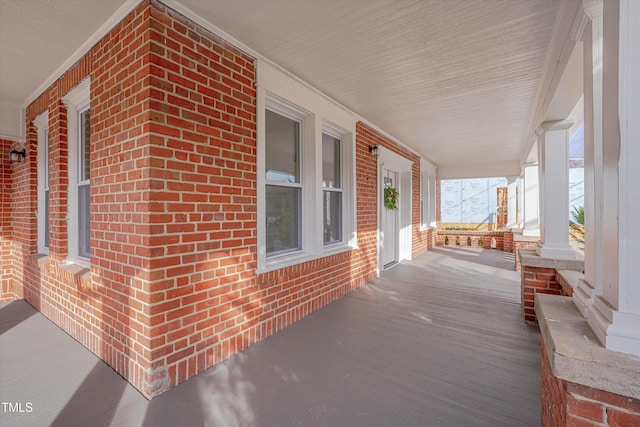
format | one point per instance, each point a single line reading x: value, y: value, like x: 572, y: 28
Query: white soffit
x: 456, y: 80
x: 37, y: 39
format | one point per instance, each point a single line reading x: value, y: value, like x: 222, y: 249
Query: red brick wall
x: 7, y: 278
x: 421, y: 240
x: 568, y: 404
x: 553, y: 396
x: 172, y: 288
x: 537, y: 280
x: 444, y: 236
x: 517, y: 245
x: 508, y: 242
x: 103, y: 308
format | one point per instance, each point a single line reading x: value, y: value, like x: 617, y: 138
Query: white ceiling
x: 458, y: 81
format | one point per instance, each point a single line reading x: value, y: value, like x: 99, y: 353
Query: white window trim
x: 305, y: 119
x: 281, y: 94
x: 347, y: 188
x: 42, y: 125
x: 77, y: 101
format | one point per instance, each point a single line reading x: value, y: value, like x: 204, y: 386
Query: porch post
x: 615, y: 315
x: 554, y: 182
x: 531, y: 200
x: 591, y: 285
x: 512, y: 205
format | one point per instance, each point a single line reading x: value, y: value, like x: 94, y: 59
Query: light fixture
x: 373, y: 149
x: 16, y: 156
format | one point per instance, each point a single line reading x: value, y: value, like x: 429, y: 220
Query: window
x: 423, y: 200
x: 305, y: 171
x: 331, y: 189
x: 284, y: 184
x: 79, y: 133
x: 84, y: 138
x: 42, y: 125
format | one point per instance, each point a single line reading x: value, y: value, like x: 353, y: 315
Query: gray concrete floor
x: 439, y: 340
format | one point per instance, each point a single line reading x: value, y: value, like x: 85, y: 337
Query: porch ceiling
x: 462, y: 82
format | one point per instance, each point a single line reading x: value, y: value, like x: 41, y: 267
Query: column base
x: 583, y: 296
x: 617, y: 331
x: 555, y: 251
x: 531, y: 232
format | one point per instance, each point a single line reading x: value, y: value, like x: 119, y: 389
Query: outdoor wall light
x: 17, y: 156
x: 373, y: 149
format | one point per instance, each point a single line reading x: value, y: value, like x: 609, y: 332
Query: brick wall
x: 536, y: 280
x: 172, y: 288
x: 508, y: 242
x: 421, y: 240
x: 517, y: 245
x: 568, y: 404
x: 553, y: 396
x: 7, y: 278
x: 464, y: 237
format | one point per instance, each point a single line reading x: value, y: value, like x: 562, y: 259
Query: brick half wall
x: 565, y: 403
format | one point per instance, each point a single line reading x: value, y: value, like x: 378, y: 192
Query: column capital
x: 593, y: 8
x: 556, y: 125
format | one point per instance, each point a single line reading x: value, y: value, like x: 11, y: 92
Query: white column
x: 554, y: 187
x: 512, y: 205
x: 531, y: 200
x: 615, y: 315
x: 592, y: 41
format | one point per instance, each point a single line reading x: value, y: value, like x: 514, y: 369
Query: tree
x: 576, y: 224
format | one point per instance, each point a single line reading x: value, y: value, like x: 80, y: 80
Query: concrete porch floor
x: 439, y: 340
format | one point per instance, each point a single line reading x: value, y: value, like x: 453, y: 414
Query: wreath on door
x: 391, y: 198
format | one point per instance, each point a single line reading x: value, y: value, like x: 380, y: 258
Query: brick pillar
x: 536, y: 280
x: 568, y: 404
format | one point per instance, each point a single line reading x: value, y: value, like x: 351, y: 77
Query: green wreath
x: 391, y: 198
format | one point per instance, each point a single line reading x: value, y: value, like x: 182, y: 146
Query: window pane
x: 330, y: 162
x: 85, y: 154
x: 283, y: 219
x: 283, y: 148
x: 46, y: 159
x: 83, y: 220
x: 46, y: 218
x: 332, y: 208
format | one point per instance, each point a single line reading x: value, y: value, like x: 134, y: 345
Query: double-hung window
x: 306, y: 173
x: 283, y: 183
x: 331, y: 189
x: 42, y: 125
x: 84, y: 193
x: 79, y: 132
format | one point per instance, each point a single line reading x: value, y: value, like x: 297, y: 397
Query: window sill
x: 79, y: 274
x: 337, y: 249
x: 41, y: 258
x: 284, y: 261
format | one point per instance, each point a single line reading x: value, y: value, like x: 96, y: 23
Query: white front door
x: 389, y: 231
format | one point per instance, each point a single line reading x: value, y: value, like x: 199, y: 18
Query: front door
x: 389, y: 238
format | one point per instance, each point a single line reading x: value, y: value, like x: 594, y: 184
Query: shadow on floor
x: 414, y: 347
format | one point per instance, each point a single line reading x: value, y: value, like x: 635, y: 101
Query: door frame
x: 403, y: 166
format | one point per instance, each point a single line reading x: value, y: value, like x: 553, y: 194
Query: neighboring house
x: 470, y: 201
x: 212, y: 201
